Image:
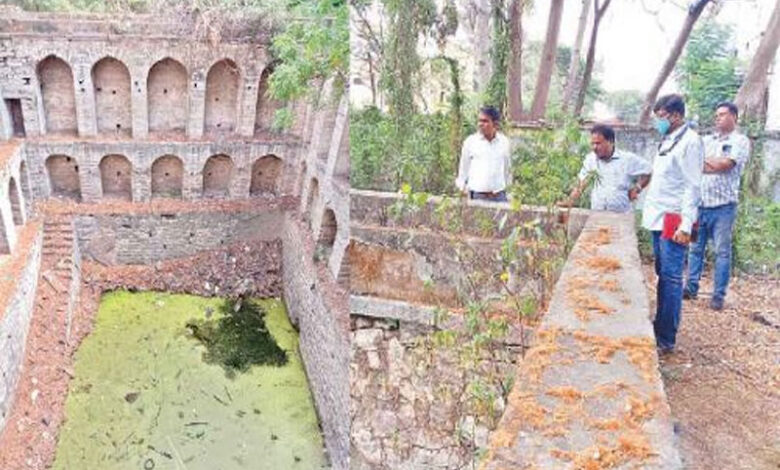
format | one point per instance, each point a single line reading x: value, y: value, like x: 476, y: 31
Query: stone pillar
x: 247, y: 106
x: 89, y: 174
x: 6, y: 218
x: 85, y: 97
x: 6, y: 128
x: 192, y: 180
x: 139, y: 103
x: 339, y: 128
x: 197, y: 98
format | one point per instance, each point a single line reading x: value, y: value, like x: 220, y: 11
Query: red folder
x: 672, y: 222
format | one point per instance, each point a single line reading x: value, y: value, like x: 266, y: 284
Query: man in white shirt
x: 727, y: 153
x: 485, y: 161
x: 670, y: 210
x: 614, y: 173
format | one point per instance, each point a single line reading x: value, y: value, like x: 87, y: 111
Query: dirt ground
x: 723, y: 380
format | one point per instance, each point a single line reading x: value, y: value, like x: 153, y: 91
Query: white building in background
x: 773, y: 110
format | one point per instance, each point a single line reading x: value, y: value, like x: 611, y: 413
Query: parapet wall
x: 17, y: 295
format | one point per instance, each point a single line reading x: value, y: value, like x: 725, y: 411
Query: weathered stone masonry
x: 157, y: 145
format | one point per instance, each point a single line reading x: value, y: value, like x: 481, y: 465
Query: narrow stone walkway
x: 29, y: 436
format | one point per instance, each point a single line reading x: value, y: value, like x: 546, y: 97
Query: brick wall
x: 14, y: 322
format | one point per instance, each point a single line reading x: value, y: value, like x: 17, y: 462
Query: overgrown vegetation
x: 707, y: 72
x: 237, y: 338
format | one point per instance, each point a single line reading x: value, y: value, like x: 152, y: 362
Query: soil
x: 723, y: 380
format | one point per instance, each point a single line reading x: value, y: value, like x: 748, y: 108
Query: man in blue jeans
x: 670, y: 209
x: 727, y: 152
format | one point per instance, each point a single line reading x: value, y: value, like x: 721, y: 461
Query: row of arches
x: 15, y: 193
x: 167, y: 176
x: 167, y: 95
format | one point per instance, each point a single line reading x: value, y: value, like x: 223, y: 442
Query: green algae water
x: 146, y: 395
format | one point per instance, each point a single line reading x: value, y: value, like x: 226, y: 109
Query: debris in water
x: 131, y: 397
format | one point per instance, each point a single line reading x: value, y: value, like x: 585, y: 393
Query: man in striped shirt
x: 726, y: 153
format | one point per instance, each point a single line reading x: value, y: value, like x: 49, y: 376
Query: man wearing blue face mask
x: 670, y: 210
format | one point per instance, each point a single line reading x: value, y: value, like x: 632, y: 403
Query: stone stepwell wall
x: 319, y: 309
x: 149, y: 238
x: 15, y: 312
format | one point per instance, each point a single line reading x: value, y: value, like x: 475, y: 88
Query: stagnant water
x: 148, y: 394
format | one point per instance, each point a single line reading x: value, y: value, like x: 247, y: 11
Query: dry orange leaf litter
x: 602, y: 264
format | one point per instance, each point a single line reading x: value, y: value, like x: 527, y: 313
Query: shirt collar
x: 615, y: 156
x: 725, y: 136
x: 495, y: 137
x: 677, y: 131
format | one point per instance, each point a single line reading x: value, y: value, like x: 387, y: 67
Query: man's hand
x: 633, y: 193
x: 681, y: 238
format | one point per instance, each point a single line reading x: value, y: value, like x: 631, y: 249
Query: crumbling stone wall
x: 418, y: 402
x: 148, y: 238
x: 13, y: 202
x: 14, y: 323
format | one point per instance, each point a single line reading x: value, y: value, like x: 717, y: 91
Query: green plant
x: 757, y: 236
x: 546, y: 163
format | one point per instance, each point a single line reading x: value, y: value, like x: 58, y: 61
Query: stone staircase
x: 57, y: 269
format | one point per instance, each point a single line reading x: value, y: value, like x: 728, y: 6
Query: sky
x: 635, y: 35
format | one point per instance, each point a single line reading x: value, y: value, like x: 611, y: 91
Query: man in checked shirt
x: 726, y: 153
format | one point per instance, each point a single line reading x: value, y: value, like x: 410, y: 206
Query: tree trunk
x: 751, y: 95
x: 694, y: 12
x: 547, y: 65
x: 598, y: 13
x: 483, y: 40
x: 514, y: 67
x: 574, y: 63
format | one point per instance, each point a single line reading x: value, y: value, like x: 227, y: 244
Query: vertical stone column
x: 197, y: 98
x: 339, y: 128
x: 139, y: 102
x: 192, y: 184
x: 6, y: 128
x: 6, y: 218
x: 142, y: 175
x: 85, y: 96
x: 89, y: 173
x: 247, y: 106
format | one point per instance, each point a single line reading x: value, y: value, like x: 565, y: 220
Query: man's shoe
x: 688, y: 295
x: 716, y: 303
x: 664, y: 350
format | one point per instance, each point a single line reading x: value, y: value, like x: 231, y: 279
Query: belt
x: 489, y: 194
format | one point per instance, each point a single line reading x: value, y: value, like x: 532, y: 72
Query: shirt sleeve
x: 741, y: 154
x: 463, y: 169
x: 691, y: 163
x: 588, y: 165
x: 508, y: 164
x: 639, y: 166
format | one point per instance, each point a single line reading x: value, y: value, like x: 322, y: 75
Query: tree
x: 751, y: 95
x: 574, y: 63
x: 707, y: 70
x: 482, y: 44
x: 598, y: 14
x: 496, y: 92
x: 312, y: 48
x: 542, y: 90
x: 694, y: 12
x: 515, y: 66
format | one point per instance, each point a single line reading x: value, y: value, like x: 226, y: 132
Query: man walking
x: 615, y: 171
x: 727, y: 152
x: 670, y: 210
x: 485, y: 171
